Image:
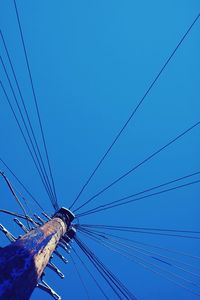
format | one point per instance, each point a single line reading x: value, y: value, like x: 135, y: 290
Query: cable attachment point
x: 65, y: 214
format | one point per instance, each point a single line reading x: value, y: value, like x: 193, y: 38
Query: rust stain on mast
x: 52, y: 232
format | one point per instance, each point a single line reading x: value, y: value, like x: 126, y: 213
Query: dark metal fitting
x: 69, y: 234
x: 65, y: 214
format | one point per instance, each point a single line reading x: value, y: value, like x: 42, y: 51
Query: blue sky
x: 91, y: 62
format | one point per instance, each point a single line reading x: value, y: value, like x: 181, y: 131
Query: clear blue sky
x: 91, y: 63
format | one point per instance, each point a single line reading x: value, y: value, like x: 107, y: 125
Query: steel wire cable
x: 36, y: 103
x: 135, y: 109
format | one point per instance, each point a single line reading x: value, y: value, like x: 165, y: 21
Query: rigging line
x: 111, y: 276
x: 20, y: 182
x: 25, y: 200
x: 114, y: 250
x: 123, y: 287
x: 144, y: 191
x: 141, y: 249
x: 143, y: 228
x: 144, y: 250
x: 120, y: 251
x: 94, y: 263
x: 15, y: 196
x: 26, y: 142
x: 36, y: 102
x: 140, y: 164
x: 135, y: 110
x: 43, y: 171
x: 161, y: 234
x: 103, y: 234
x: 80, y: 278
x: 163, y: 261
x: 132, y: 258
x: 6, y: 96
x: 165, y: 257
x: 87, y: 269
x: 13, y: 214
x: 24, y: 123
x: 141, y: 198
x: 23, y: 103
x: 145, y: 232
x: 155, y: 233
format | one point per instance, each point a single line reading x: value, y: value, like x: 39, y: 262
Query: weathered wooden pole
x: 22, y: 262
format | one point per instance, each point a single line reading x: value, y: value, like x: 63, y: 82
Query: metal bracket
x: 60, y: 256
x: 39, y: 219
x: 65, y: 246
x: 7, y: 234
x: 53, y: 267
x: 46, y: 288
x: 21, y: 225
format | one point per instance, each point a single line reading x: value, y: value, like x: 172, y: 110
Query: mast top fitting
x: 65, y: 214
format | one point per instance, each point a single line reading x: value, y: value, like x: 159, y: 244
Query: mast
x: 23, y: 261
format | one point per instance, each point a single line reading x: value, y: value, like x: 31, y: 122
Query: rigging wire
x: 140, y: 198
x: 148, y: 232
x: 135, y: 259
x: 15, y: 196
x: 23, y: 104
x: 13, y: 214
x: 111, y: 241
x: 128, y: 228
x: 145, y: 263
x: 24, y: 137
x: 128, y: 246
x: 22, y: 184
x: 120, y: 287
x: 42, y: 171
x: 36, y: 104
x: 141, y: 250
x: 144, y: 191
x: 139, y: 165
x: 155, y: 255
x: 113, y: 278
x: 105, y: 234
x: 91, y: 275
x: 19, y: 194
x: 80, y: 278
x: 91, y: 259
x: 135, y: 109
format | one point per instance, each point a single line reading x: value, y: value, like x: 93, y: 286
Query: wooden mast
x: 23, y: 261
